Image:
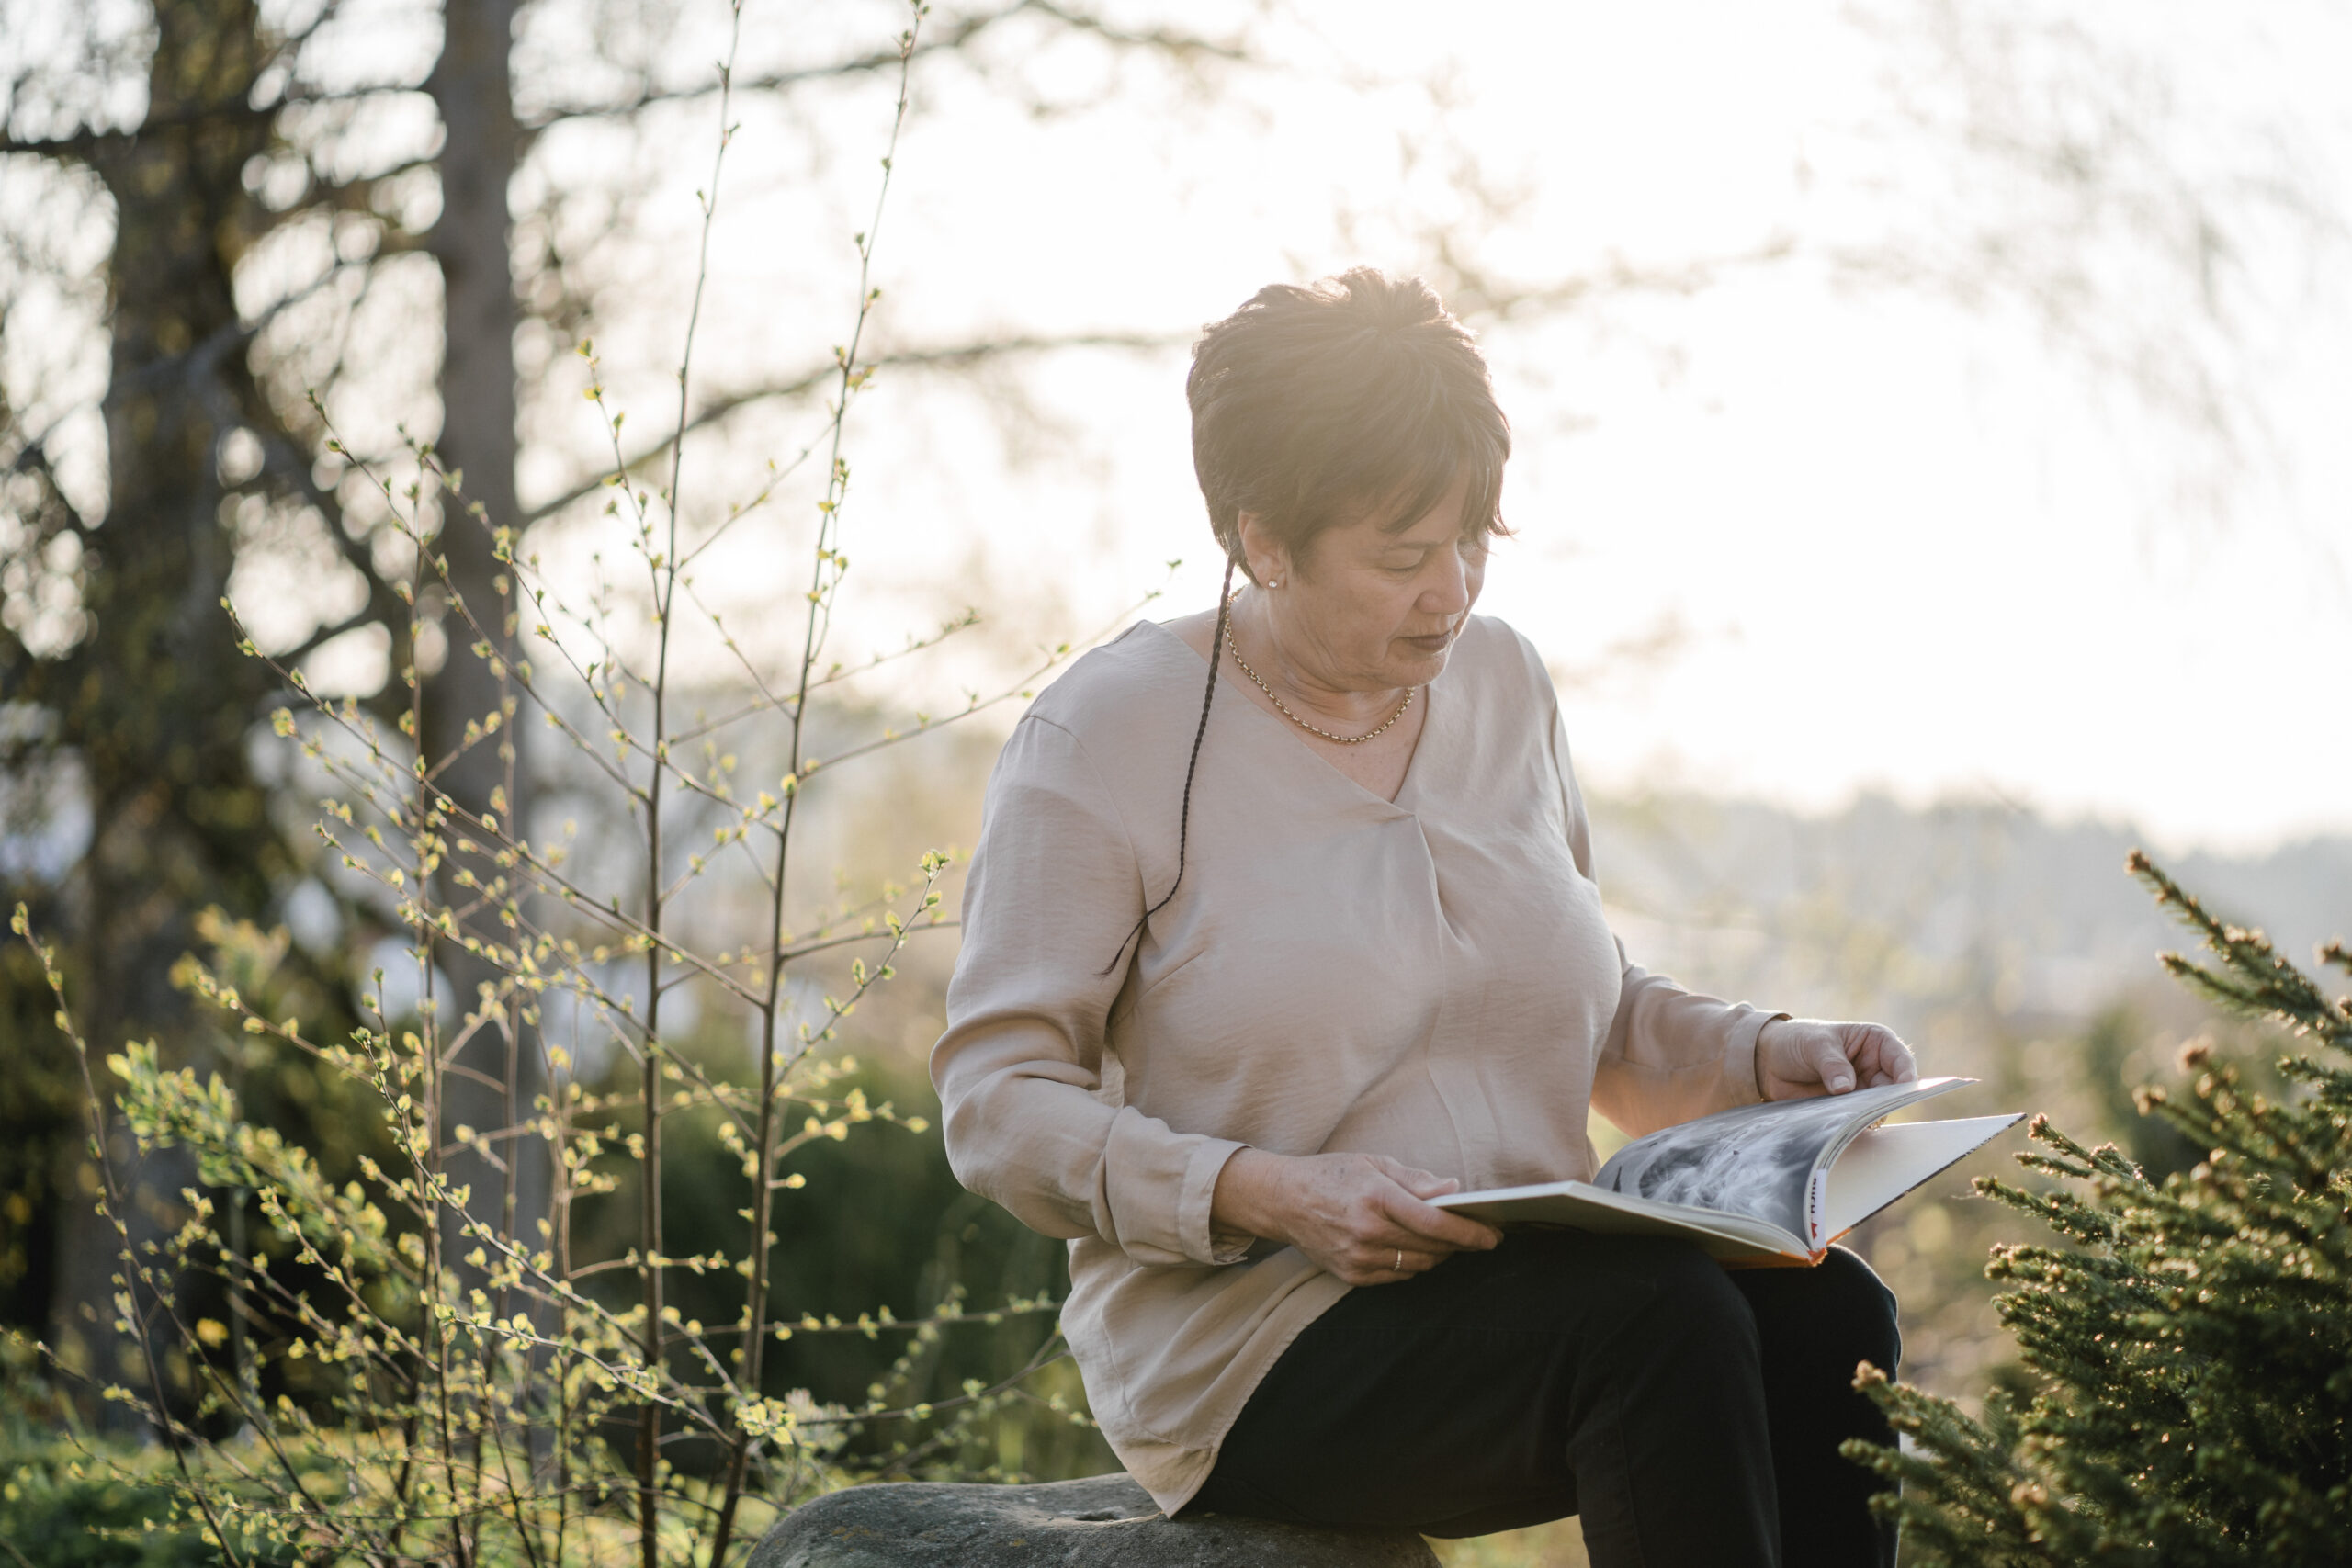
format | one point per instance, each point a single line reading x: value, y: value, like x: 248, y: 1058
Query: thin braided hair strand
x: 1184, y: 816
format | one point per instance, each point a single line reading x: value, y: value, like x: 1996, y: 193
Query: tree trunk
x: 157, y: 698
x: 472, y: 85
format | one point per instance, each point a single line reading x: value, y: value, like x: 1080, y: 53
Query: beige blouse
x: 1429, y: 978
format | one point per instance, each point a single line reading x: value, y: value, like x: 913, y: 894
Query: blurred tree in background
x: 136, y: 688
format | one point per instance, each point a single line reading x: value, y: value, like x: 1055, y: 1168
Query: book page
x: 1757, y: 1160
x: 1884, y: 1163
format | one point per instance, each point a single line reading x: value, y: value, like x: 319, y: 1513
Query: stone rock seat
x: 1103, y: 1521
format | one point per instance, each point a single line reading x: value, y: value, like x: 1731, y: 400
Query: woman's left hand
x: 1800, y: 1056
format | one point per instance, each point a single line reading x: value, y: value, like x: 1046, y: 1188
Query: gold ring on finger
x: 1400, y: 1260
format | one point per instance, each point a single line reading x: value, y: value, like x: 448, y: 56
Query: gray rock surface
x: 1104, y: 1521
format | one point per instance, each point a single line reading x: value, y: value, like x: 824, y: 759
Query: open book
x: 1758, y: 1184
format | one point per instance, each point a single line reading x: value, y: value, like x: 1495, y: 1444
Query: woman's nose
x: 1449, y: 594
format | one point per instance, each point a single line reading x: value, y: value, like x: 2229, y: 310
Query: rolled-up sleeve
x: 1670, y: 1054
x: 1054, y: 885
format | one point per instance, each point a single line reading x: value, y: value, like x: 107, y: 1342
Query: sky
x: 1803, y: 532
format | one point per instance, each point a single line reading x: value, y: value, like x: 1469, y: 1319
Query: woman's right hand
x: 1365, y: 1218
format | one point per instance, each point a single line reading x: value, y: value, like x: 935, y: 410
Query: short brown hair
x: 1313, y: 405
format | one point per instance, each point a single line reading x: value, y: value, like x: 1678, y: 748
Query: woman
x: 1282, y: 923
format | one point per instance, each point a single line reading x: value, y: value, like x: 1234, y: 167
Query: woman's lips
x: 1434, y: 643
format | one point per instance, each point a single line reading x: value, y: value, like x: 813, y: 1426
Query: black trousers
x: 1691, y: 1414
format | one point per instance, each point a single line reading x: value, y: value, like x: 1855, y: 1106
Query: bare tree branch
x: 1171, y: 42
x: 955, y: 356
x: 86, y: 146
x: 955, y: 37
x: 1473, y: 291
x: 1176, y: 43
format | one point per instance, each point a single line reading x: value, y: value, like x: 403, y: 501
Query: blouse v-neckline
x: 1408, y: 784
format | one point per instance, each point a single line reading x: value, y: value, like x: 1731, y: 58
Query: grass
x: 1559, y: 1544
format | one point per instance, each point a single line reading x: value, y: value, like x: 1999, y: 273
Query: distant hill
x: 1950, y: 912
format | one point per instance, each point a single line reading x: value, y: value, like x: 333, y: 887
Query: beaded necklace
x: 1235, y: 649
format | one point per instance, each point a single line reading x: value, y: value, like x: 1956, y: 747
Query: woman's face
x: 1370, y: 609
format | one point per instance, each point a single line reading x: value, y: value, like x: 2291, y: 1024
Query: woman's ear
x: 1266, y: 558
